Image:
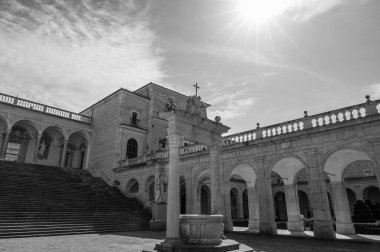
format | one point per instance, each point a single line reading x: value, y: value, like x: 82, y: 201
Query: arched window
x: 132, y: 147
x: 133, y: 186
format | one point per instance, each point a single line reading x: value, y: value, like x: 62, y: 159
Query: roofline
x: 120, y: 89
x: 151, y: 83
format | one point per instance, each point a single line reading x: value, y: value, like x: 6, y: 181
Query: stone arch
x: 337, y: 161
x: 288, y: 167
x: 205, y: 174
x: 52, y: 141
x: 372, y: 193
x: 77, y: 150
x: 149, y: 189
x: 32, y: 123
x: 84, y: 134
x: 234, y: 198
x: 246, y: 172
x: 132, y: 186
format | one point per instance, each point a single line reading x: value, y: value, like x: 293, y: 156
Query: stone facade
x: 315, y: 166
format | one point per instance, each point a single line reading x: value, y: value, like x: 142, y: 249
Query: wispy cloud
x: 304, y: 10
x: 71, y: 53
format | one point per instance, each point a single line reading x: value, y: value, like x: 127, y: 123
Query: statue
x: 42, y: 149
x: 158, y: 189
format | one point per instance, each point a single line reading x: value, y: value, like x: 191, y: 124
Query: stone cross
x: 196, y: 89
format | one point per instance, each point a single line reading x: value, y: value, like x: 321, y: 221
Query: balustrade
x: 355, y: 112
x: 43, y: 108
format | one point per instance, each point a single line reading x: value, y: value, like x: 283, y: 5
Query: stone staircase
x: 38, y: 200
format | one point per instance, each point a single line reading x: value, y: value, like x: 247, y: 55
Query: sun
x: 261, y: 10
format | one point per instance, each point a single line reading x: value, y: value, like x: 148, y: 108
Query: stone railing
x: 307, y: 122
x: 158, y: 155
x: 15, y: 101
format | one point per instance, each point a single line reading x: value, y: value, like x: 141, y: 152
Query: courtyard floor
x: 137, y: 241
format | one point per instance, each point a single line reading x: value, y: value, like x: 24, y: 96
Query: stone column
x: 376, y: 167
x: 173, y: 210
x: 216, y: 199
x: 319, y: 202
x: 88, y: 151
x: 64, y: 153
x: 266, y: 208
x: 240, y: 213
x: 292, y: 205
x: 342, y: 210
x: 189, y: 191
x: 5, y: 144
x: 253, y: 222
x: 36, y: 147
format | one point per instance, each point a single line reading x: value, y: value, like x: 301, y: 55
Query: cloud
x: 304, y: 10
x: 373, y: 90
x: 230, y: 104
x: 72, y: 53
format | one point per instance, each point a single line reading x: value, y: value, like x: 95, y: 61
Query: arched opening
x: 280, y: 207
x: 245, y: 205
x: 242, y: 179
x: 132, y: 148
x: 76, y: 151
x: 132, y: 186
x: 234, y: 203
x: 304, y: 204
x: 205, y: 200
x: 182, y: 185
x: 149, y: 189
x: 22, y: 142
x: 372, y: 193
x: 351, y: 197
x: 51, y: 146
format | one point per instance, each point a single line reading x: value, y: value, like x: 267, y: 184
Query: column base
x: 346, y: 228
x: 253, y: 225
x: 168, y: 245
x: 295, y: 226
x: 323, y: 230
x: 268, y: 228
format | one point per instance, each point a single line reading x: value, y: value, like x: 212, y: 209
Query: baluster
x: 355, y: 114
x: 284, y: 129
x: 320, y: 121
x: 314, y: 123
x: 327, y: 120
x: 295, y: 127
x: 362, y: 112
x: 279, y: 130
x: 254, y: 136
x: 340, y: 117
x: 333, y: 118
x: 348, y: 115
x: 301, y: 125
x: 264, y: 133
x: 290, y: 128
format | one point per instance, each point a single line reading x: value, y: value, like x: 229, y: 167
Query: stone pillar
x: 173, y: 209
x: 323, y: 228
x: 189, y: 191
x: 64, y: 153
x: 376, y: 167
x: 253, y: 222
x: 295, y: 225
x: 342, y: 210
x: 36, y: 147
x: 216, y: 204
x: 266, y: 208
x: 5, y: 144
x: 87, y: 162
x: 240, y: 213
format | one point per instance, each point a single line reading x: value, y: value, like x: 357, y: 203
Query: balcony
x: 38, y: 107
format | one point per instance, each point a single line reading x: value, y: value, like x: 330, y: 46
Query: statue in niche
x: 159, y: 189
x: 43, y: 149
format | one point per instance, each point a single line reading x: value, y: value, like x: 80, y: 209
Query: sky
x: 314, y: 55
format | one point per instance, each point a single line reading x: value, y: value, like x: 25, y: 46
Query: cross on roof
x: 196, y: 89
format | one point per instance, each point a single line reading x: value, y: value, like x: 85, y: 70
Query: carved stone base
x: 226, y: 245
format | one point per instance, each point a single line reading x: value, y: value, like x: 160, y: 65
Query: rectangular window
x: 12, y: 151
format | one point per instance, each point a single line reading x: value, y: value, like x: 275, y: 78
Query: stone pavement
x: 139, y: 240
